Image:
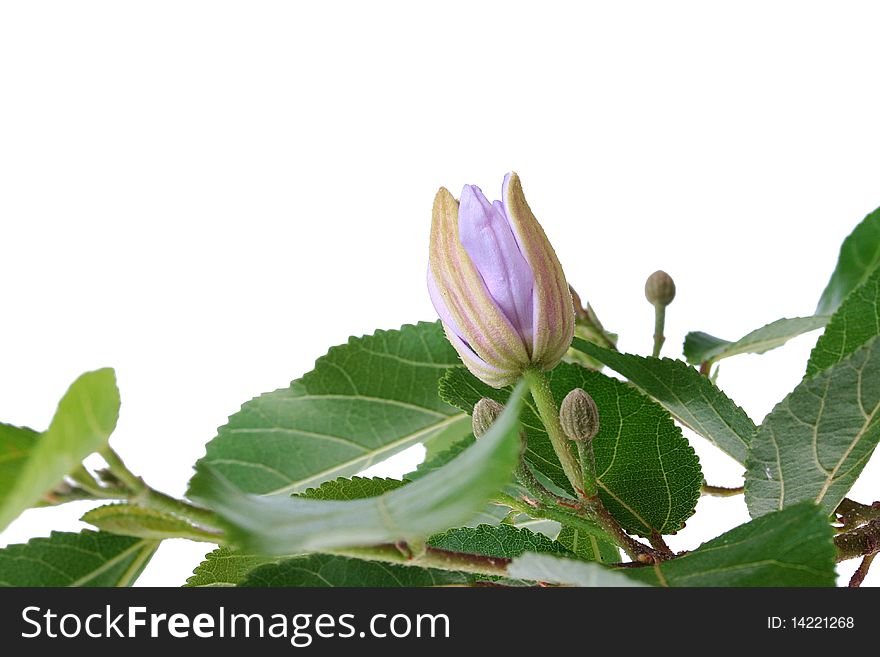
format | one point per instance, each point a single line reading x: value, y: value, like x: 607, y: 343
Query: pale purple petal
x: 490, y: 243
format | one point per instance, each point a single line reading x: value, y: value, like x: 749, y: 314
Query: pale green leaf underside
x: 701, y: 347
x: 364, y: 401
x: 16, y: 444
x: 856, y: 321
x: 859, y: 256
x: 324, y: 570
x: 648, y: 474
x: 132, y: 520
x: 85, y: 418
x: 446, y: 497
x: 793, y: 547
x: 501, y: 541
x: 688, y: 395
x: 225, y: 567
x: 85, y: 559
x: 567, y: 572
x: 814, y: 444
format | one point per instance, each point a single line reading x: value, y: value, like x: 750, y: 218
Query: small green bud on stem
x: 486, y: 411
x: 579, y: 415
x: 659, y: 291
x: 579, y: 418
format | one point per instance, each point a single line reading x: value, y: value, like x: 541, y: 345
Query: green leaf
x: 648, y: 474
x: 701, y: 347
x: 568, y: 572
x: 16, y: 444
x: 814, y: 444
x: 320, y: 570
x: 502, y: 541
x: 85, y: 418
x: 131, y: 520
x: 691, y: 397
x: 363, y: 402
x: 856, y: 321
x: 444, y: 498
x: 793, y: 547
x: 356, y: 488
x: 436, y: 445
x: 587, y: 546
x: 859, y: 256
x: 225, y: 567
x: 85, y: 559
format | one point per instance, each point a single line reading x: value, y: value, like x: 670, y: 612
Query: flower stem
x: 659, y: 325
x: 588, y: 467
x: 547, y: 409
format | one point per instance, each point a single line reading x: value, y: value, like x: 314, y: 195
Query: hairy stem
x: 140, y: 493
x: 549, y: 413
x: 852, y: 514
x: 429, y: 558
x: 859, y: 542
x: 659, y: 325
x: 862, y: 571
x: 588, y: 467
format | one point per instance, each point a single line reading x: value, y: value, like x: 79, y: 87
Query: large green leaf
x: 648, y: 474
x: 691, y: 397
x: 363, y: 402
x: 856, y: 321
x: 84, y: 559
x: 225, y: 567
x: 85, y: 418
x: 449, y: 496
x: 859, y: 256
x: 503, y: 541
x: 588, y: 546
x: 793, y: 547
x: 16, y: 444
x: 568, y: 572
x: 701, y: 347
x: 814, y: 444
x: 320, y: 570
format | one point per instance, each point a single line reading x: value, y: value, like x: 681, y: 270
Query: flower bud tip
x: 579, y: 415
x: 660, y: 288
x: 486, y: 411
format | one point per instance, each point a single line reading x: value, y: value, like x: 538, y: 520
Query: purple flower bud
x: 497, y: 284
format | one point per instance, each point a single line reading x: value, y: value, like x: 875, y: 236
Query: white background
x: 207, y: 195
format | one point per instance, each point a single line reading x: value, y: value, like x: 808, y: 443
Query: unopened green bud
x: 486, y: 411
x: 660, y: 289
x: 579, y: 415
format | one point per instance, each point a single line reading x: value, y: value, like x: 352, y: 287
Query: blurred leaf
x: 85, y: 418
x: 444, y: 498
x: 568, y: 572
x: 132, y: 520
